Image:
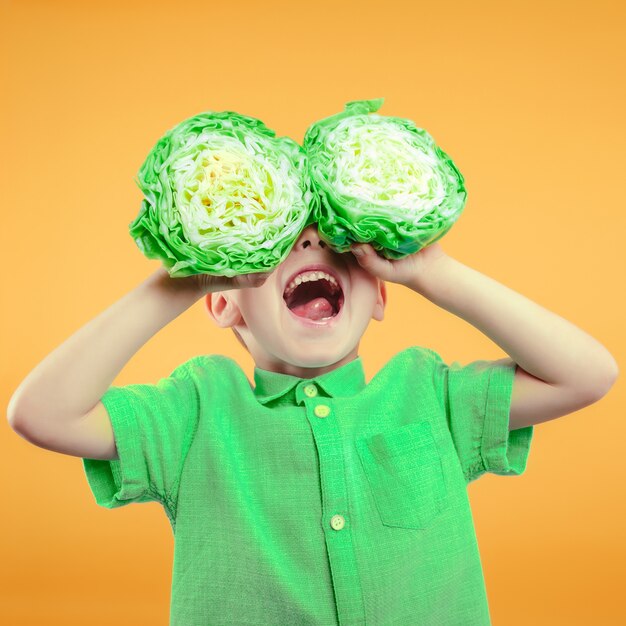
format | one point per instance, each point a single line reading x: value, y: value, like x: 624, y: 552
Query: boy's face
x: 281, y: 341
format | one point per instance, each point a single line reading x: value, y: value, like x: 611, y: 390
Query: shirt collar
x: 346, y: 380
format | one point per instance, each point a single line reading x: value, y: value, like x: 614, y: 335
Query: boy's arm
x: 560, y: 368
x: 57, y: 406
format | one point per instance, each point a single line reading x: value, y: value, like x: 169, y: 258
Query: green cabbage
x: 381, y: 180
x: 223, y: 196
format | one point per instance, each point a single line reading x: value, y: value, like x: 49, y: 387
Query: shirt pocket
x: 405, y: 473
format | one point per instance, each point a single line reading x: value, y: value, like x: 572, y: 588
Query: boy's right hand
x: 202, y: 284
x: 51, y: 411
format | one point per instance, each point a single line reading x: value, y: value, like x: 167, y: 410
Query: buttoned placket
x: 335, y: 518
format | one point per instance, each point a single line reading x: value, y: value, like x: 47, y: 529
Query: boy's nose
x: 309, y: 238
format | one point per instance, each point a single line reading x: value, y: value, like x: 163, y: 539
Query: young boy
x: 314, y: 497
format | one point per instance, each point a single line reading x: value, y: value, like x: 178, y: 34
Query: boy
x: 313, y: 497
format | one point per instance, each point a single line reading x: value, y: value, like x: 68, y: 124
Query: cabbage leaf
x: 381, y: 180
x: 222, y: 195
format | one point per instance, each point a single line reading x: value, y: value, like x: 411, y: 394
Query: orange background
x: 528, y: 100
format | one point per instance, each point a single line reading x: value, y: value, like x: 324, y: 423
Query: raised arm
x: 57, y: 406
x: 560, y: 368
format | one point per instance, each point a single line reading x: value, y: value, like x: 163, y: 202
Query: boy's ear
x: 379, y: 308
x: 223, y: 309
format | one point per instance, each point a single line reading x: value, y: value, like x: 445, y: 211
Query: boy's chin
x: 311, y: 353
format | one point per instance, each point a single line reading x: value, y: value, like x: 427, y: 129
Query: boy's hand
x: 202, y: 284
x: 407, y: 271
x: 207, y: 283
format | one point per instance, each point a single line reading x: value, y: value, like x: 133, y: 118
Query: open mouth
x: 318, y: 300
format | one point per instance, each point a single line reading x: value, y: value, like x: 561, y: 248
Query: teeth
x: 309, y: 277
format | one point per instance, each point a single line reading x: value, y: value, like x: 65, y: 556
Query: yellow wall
x: 528, y: 100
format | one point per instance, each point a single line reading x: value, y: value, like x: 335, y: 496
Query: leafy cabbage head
x: 222, y: 195
x: 381, y: 180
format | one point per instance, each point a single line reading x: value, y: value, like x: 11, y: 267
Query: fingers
x: 363, y: 249
x: 357, y: 250
x: 259, y: 279
x: 364, y: 252
x: 256, y: 279
x: 369, y: 259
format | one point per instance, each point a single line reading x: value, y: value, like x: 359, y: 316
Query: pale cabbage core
x: 383, y: 164
x: 224, y: 187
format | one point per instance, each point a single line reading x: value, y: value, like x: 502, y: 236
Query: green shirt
x: 317, y: 501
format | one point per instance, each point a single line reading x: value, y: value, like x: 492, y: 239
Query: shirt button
x: 321, y: 410
x: 310, y: 390
x: 337, y: 522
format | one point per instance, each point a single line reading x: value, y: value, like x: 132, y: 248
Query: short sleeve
x: 153, y: 427
x: 477, y: 400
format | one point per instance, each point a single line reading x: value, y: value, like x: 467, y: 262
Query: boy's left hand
x: 407, y: 271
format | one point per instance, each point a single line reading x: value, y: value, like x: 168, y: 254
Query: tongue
x: 316, y: 309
